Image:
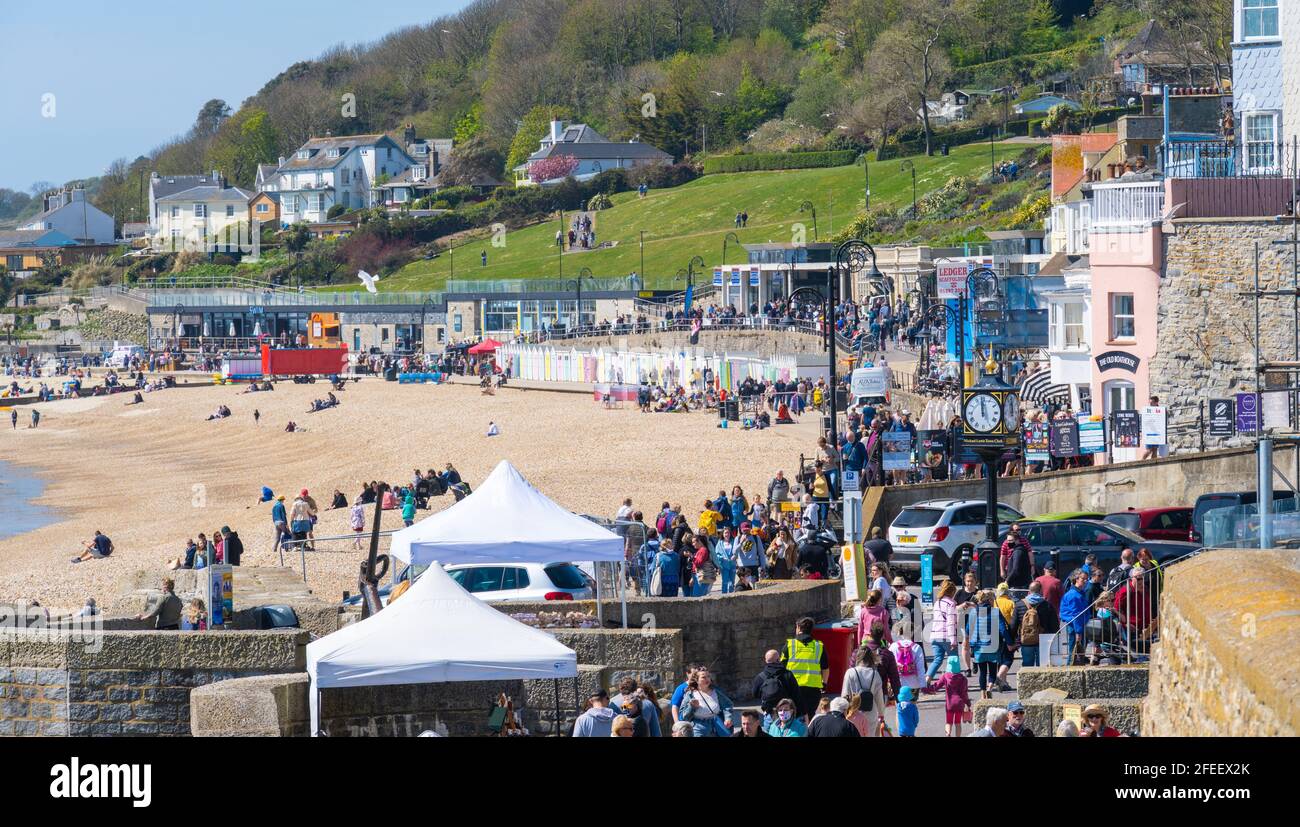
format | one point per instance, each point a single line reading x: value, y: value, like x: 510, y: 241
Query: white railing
x: 1119, y: 206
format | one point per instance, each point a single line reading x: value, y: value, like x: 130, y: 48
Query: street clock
x: 990, y: 413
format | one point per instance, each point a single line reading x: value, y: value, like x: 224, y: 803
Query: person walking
x: 1076, y: 611
x: 726, y: 558
x: 808, y: 660
x: 943, y: 628
x: 834, y: 724
x: 956, y: 691
x: 707, y: 707
x: 280, y: 519
x: 864, y: 683
x: 787, y: 723
x: 773, y: 684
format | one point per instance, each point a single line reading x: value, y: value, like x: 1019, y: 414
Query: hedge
x: 778, y: 160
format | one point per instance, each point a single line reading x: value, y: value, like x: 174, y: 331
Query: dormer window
x: 332, y: 153
x: 303, y: 154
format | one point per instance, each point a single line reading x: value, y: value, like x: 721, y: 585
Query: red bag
x: 968, y: 716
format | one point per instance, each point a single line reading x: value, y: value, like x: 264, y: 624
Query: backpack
x: 906, y: 660
x: 866, y: 694
x: 771, y: 691
x: 1029, y: 626
x: 661, y: 524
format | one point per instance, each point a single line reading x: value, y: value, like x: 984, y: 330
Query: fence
x: 1124, y: 206
x: 739, y: 323
x: 1122, y: 623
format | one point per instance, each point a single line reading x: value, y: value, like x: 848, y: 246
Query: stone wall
x: 1228, y: 623
x: 1206, y: 330
x: 1045, y: 692
x: 123, y: 682
x: 730, y: 632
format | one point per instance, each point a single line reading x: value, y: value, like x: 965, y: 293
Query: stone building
x: 1206, y: 326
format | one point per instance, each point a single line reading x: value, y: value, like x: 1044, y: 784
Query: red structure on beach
x: 323, y: 361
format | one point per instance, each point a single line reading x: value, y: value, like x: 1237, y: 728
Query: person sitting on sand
x: 291, y: 427
x: 137, y: 399
x: 493, y: 430
x: 185, y: 561
x: 339, y: 500
x: 97, y: 548
x: 333, y: 400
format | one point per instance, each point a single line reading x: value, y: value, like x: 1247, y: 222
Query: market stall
x: 435, y: 633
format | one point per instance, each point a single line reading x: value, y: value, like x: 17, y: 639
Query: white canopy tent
x: 435, y: 633
x: 506, y: 520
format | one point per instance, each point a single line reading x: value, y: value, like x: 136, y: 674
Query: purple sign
x: 1247, y: 412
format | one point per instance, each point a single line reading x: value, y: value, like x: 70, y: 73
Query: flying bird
x: 368, y: 280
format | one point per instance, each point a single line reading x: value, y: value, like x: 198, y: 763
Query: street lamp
x: 807, y: 206
x: 560, y: 255
x: 728, y: 237
x: 866, y: 181
x: 908, y: 166
x: 585, y: 272
x: 178, y: 310
x: 690, y: 279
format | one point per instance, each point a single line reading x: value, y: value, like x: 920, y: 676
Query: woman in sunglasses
x: 1094, y: 723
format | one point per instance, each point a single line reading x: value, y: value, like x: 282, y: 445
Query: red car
x: 1155, y: 523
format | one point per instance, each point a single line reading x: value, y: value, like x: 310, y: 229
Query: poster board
x: 1128, y: 429
x: 1154, y: 425
x: 897, y: 450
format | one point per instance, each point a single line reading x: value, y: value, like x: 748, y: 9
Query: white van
x: 122, y: 355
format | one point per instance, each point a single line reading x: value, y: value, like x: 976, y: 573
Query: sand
x: 151, y: 475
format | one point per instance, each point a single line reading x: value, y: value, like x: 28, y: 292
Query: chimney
x: 408, y: 135
x: 216, y: 178
x: 557, y: 129
x: 281, y: 162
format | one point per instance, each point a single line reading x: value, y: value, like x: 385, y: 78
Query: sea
x: 19, y: 488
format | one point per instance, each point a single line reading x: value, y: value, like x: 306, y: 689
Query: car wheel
x: 954, y: 563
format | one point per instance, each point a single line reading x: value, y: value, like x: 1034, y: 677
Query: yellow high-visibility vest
x: 805, y: 662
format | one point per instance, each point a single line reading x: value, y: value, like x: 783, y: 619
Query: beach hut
x: 435, y: 633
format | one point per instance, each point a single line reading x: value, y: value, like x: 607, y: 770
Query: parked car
x: 1155, y: 523
x: 1067, y: 515
x: 523, y: 581
x: 953, y: 526
x: 511, y: 582
x: 1067, y: 542
x: 1220, y: 502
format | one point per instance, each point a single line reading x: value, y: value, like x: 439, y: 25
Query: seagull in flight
x: 368, y: 280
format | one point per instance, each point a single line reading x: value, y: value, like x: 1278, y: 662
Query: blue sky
x: 128, y: 75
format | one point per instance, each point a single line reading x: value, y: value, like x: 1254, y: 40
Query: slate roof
x: 208, y: 192
x: 320, y: 147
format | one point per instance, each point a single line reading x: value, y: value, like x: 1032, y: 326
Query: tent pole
x: 622, y: 589
x: 600, y: 615
x: 558, y: 716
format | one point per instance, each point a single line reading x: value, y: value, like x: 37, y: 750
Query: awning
x: 1038, y: 389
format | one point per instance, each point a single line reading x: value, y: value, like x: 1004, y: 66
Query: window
x: 566, y: 576
x: 1259, y: 138
x: 1067, y: 326
x: 13, y: 263
x: 515, y: 578
x: 333, y: 153
x: 262, y: 208
x: 200, y: 210
x: 1120, y: 396
x: 303, y: 154
x: 485, y: 579
x: 345, y: 177
x: 1122, y: 325
x: 230, y: 211
x: 1258, y: 18
x: 176, y: 212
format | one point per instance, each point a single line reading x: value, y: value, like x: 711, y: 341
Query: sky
x: 119, y: 78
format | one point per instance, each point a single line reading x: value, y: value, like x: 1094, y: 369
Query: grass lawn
x: 694, y: 219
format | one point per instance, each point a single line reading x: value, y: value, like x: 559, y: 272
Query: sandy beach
x: 151, y: 475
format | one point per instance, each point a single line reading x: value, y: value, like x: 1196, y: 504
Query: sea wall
x: 1228, y: 623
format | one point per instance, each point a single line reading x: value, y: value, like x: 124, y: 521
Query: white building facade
x: 325, y: 172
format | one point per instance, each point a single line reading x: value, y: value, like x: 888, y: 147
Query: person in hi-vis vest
x: 807, y: 659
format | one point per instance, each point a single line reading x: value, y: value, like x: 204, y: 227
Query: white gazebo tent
x: 507, y: 520
x: 434, y: 633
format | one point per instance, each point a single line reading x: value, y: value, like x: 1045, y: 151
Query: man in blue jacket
x: 855, y: 454
x: 281, y: 520
x: 1075, y: 611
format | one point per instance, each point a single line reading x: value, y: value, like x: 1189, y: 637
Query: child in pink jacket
x: 956, y: 697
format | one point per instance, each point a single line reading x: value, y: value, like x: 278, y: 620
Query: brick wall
x: 33, y: 701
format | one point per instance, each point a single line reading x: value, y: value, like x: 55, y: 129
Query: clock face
x: 1011, y: 411
x: 983, y: 413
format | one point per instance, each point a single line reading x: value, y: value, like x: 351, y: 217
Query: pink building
x: 1126, y: 261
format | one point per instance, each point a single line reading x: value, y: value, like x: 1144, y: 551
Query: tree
x: 534, y: 126
x: 470, y: 163
x: 913, y: 54
x: 243, y: 142
x: 213, y: 114
x: 471, y: 124
x: 556, y: 167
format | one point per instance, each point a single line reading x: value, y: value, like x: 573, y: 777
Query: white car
x: 950, y: 525
x: 515, y: 582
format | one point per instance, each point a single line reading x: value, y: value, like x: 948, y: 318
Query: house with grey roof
x: 593, y: 152
x: 161, y: 186
x: 348, y: 171
x: 70, y: 213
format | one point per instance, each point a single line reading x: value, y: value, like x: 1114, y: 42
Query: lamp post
x: 807, y: 206
x: 424, y: 309
x: 990, y: 425
x: 560, y: 254
x: 725, y: 239
x: 866, y: 181
x: 908, y: 166
x: 643, y: 254
x: 585, y: 272
x: 178, y: 310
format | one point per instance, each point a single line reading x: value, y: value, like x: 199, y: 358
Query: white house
x: 161, y: 186
x: 347, y: 171
x: 593, y: 152
x: 1069, y: 313
x: 70, y: 213
x: 203, y: 217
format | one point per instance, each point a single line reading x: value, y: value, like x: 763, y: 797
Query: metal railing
x: 736, y: 324
x: 301, y: 546
x: 1130, y: 626
x: 1224, y: 159
x: 1120, y: 205
x: 612, y: 284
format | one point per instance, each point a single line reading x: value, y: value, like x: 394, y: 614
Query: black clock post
x: 990, y: 426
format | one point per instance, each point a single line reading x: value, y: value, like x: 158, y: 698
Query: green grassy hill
x: 694, y: 219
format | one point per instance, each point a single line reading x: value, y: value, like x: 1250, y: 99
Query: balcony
x: 1124, y: 206
x: 1218, y: 179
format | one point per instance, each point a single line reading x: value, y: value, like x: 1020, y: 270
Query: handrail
x: 735, y: 325
x: 302, y: 546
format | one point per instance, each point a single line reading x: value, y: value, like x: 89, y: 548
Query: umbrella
x: 206, y: 330
x: 257, y: 330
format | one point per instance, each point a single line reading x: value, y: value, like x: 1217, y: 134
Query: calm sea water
x: 18, y: 514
